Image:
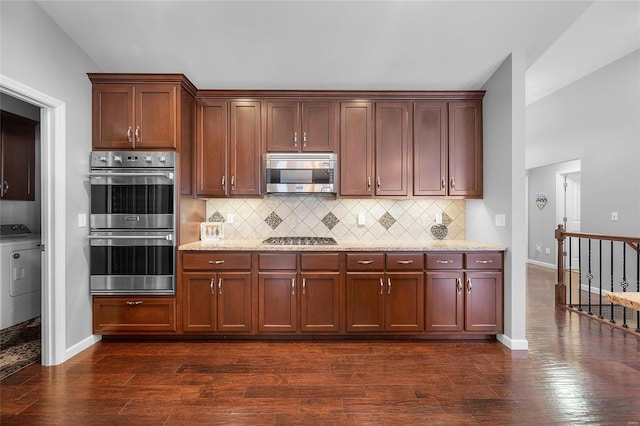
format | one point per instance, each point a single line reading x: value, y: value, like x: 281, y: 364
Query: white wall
x: 597, y: 120
x: 38, y: 54
x: 504, y: 188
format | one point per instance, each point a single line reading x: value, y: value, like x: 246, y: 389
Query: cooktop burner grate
x: 301, y: 241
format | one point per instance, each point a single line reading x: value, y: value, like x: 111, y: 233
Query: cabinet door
x: 245, y: 148
x: 199, y: 307
x: 320, y: 302
x: 444, y: 301
x: 392, y: 148
x: 483, y: 301
x: 430, y: 122
x: 113, y: 116
x: 17, y: 157
x: 365, y: 302
x: 319, y: 126
x: 404, y: 302
x: 211, y: 149
x: 465, y: 148
x: 356, y: 148
x: 277, y: 302
x: 283, y: 126
x: 155, y: 116
x: 234, y: 301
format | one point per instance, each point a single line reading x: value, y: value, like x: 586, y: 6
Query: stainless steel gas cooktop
x: 301, y: 241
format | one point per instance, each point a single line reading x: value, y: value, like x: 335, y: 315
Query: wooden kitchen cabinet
x: 301, y: 126
x: 468, y: 300
x: 134, y: 116
x: 228, y: 148
x: 17, y: 157
x: 391, y: 301
x: 134, y: 315
x: 320, y: 296
x: 217, y: 296
x: 356, y: 148
x: 277, y: 302
x: 212, y: 142
x: 448, y: 148
x: 465, y: 149
x: 392, y: 148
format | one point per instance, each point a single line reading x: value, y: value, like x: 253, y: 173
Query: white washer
x: 20, y: 279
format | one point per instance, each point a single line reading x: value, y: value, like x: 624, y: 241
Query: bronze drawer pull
x: 484, y: 261
x: 216, y: 262
x: 444, y: 261
x: 404, y: 262
x: 365, y: 262
x: 132, y: 303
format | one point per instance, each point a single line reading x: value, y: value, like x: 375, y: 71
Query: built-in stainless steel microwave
x: 295, y: 173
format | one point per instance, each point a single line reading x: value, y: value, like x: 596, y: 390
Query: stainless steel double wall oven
x: 133, y: 222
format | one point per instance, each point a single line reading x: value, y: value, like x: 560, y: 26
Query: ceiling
x: 397, y: 45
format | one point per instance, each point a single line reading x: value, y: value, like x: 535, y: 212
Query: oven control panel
x: 132, y: 159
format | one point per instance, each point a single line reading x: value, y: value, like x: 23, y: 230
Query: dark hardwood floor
x: 577, y: 371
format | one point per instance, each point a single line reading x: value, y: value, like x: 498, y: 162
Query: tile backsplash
x: 313, y: 216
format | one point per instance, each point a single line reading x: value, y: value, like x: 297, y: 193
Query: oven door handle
x: 168, y: 237
x: 168, y: 175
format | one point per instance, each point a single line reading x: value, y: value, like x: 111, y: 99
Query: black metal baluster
x: 612, y: 320
x: 570, y: 274
x: 624, y: 284
x: 579, y: 274
x: 600, y: 277
x: 589, y: 277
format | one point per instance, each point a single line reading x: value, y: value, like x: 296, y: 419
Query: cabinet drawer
x: 320, y: 262
x: 491, y: 260
x: 277, y: 261
x: 405, y: 261
x: 134, y: 314
x: 444, y: 260
x: 365, y: 261
x: 209, y: 260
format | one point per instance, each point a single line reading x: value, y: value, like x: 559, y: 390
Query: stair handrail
x: 560, y: 235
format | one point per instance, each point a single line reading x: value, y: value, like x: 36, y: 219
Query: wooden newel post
x: 561, y: 288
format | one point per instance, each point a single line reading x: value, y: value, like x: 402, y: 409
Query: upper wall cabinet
x: 305, y: 126
x: 137, y: 111
x: 17, y: 157
x: 356, y: 148
x: 447, y: 144
x: 392, y: 148
x: 228, y: 147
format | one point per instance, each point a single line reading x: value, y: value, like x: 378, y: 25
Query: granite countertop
x: 626, y: 299
x: 431, y: 245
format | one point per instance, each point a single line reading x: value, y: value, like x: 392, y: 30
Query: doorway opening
x: 53, y: 227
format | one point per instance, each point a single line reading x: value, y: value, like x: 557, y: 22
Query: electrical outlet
x: 501, y: 219
x: 229, y: 217
x: 361, y: 219
x: 547, y: 250
x: 439, y: 218
x: 82, y: 220
x: 538, y: 248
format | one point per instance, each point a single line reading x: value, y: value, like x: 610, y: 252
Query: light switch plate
x: 501, y: 219
x: 361, y: 220
x: 439, y: 218
x: 82, y: 220
x: 229, y: 217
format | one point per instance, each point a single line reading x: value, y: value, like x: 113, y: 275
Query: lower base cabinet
x: 320, y: 302
x: 217, y: 302
x: 277, y: 302
x: 136, y: 315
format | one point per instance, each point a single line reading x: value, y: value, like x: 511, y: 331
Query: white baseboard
x: 514, y: 345
x: 81, y: 346
x: 543, y: 264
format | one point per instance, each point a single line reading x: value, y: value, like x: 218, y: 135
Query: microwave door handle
x: 168, y: 175
x: 168, y: 237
